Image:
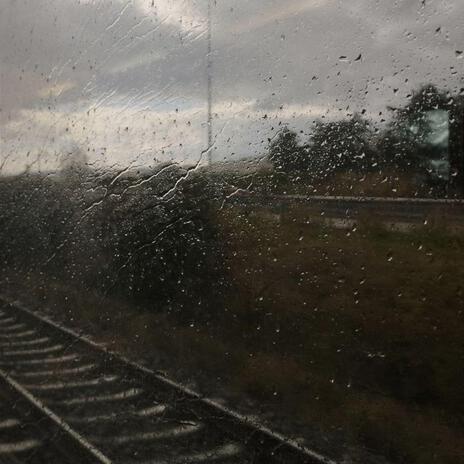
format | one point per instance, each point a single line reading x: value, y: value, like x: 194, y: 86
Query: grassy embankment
x: 356, y: 335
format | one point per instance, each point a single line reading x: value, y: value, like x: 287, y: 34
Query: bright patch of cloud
x: 281, y: 12
x: 55, y: 90
x: 180, y: 13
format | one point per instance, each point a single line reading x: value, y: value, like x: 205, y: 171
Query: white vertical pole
x: 209, y: 83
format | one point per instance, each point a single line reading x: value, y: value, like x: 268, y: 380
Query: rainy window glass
x: 232, y: 231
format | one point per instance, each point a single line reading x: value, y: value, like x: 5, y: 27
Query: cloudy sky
x: 125, y: 80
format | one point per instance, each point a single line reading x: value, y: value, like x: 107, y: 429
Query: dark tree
x: 411, y: 126
x: 408, y: 142
x: 286, y: 152
x: 340, y: 146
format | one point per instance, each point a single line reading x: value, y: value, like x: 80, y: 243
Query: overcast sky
x: 125, y: 81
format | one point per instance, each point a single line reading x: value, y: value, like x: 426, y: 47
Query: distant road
x: 396, y: 213
x: 372, y: 199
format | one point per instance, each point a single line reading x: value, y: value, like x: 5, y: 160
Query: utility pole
x: 209, y: 67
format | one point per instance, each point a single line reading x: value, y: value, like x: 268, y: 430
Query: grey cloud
x: 267, y: 54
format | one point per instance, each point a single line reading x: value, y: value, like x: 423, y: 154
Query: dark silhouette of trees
x: 286, y: 152
x: 424, y: 141
x: 333, y: 146
x: 456, y: 144
x: 407, y: 144
x: 340, y: 146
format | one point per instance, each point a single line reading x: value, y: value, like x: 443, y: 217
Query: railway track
x: 94, y: 405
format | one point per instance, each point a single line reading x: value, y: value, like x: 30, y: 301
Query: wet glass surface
x: 261, y: 201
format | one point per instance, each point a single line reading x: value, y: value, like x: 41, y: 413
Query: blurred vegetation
x: 133, y: 237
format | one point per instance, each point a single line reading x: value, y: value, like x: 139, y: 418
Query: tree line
x: 406, y: 144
